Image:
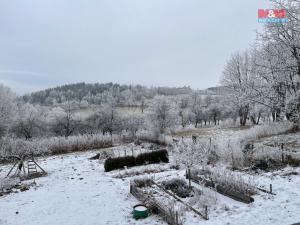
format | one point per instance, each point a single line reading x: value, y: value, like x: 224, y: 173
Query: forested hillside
x: 123, y: 95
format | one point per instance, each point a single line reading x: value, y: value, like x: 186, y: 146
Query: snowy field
x: 78, y: 191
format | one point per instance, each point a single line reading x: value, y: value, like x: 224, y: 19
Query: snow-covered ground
x: 77, y: 191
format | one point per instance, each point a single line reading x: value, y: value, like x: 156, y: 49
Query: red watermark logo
x: 272, y: 16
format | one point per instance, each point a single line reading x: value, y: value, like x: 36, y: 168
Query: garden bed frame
x: 168, y: 214
x: 229, y: 192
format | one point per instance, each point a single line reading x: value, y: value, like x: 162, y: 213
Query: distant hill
x: 100, y: 93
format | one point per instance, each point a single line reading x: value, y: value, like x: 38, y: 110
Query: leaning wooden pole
x: 38, y: 165
x: 11, y: 169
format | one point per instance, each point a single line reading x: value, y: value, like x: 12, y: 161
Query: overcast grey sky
x: 149, y: 42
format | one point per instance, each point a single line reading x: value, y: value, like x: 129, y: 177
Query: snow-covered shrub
x: 234, y: 151
x: 292, y: 159
x: 53, y: 145
x: 188, y: 153
x: 141, y: 159
x: 231, y: 180
x: 152, y: 157
x: 142, y: 182
x: 203, y: 198
x: 177, y: 186
x: 119, y: 163
x: 266, y: 130
x: 149, y: 169
x: 8, y: 183
x: 263, y: 152
x: 293, y: 109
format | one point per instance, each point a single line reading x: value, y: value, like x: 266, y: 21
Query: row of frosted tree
x: 266, y: 77
x: 158, y: 115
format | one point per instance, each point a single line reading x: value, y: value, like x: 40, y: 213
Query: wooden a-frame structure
x: 25, y: 165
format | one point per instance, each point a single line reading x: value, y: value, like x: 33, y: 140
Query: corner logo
x: 272, y: 16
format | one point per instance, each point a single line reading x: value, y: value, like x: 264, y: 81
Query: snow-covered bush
x: 188, y: 153
x: 233, y: 150
x: 266, y: 130
x: 177, y: 186
x: 141, y: 159
x: 142, y: 182
x: 8, y: 183
x: 293, y: 109
x: 148, y: 169
x: 203, y: 198
x: 119, y: 163
x: 53, y: 145
x: 152, y: 157
x: 229, y: 179
x: 263, y: 152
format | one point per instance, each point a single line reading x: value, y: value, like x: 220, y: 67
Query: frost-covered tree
x: 293, y: 109
x: 238, y: 80
x: 28, y: 121
x: 277, y: 60
x: 64, y: 123
x: 106, y: 119
x: 133, y: 122
x: 189, y: 153
x: 7, y: 108
x: 198, y: 115
x: 215, y: 113
x: 161, y: 116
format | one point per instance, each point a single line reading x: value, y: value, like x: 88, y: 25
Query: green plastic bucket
x: 140, y: 211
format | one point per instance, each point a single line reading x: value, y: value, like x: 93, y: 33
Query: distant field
x: 209, y: 131
x: 86, y: 112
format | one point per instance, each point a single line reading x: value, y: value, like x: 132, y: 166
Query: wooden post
x: 189, y: 174
x: 271, y: 188
x: 206, y: 212
x: 176, y: 217
x: 282, y: 156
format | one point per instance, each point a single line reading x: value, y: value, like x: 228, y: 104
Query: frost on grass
x: 8, y: 183
x: 53, y: 145
x: 232, y: 180
x: 141, y: 170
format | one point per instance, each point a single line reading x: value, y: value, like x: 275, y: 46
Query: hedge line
x: 130, y: 161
